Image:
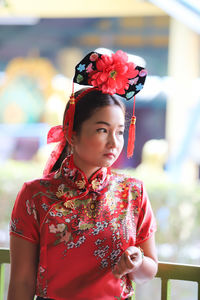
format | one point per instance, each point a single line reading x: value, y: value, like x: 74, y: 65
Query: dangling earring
x: 69, y: 150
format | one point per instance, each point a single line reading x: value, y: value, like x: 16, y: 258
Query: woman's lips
x: 109, y: 155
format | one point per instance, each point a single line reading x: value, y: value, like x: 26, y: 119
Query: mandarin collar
x: 77, y: 179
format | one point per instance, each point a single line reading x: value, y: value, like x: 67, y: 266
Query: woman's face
x: 100, y: 141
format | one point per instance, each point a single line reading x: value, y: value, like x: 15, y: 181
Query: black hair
x: 84, y: 109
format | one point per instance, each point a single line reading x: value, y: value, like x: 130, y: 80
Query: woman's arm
x: 24, y: 261
x: 139, y: 268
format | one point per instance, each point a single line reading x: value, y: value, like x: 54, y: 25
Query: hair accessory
x: 131, y: 133
x: 60, y: 133
x: 113, y: 75
x: 69, y: 118
x: 55, y: 134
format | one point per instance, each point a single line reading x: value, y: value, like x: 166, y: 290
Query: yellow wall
x: 78, y: 8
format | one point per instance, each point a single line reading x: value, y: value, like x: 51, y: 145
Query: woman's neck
x: 84, y: 167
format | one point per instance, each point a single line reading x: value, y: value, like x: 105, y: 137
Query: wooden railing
x: 166, y: 272
x: 171, y: 271
x: 4, y: 259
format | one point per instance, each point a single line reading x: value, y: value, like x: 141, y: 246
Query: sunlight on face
x: 100, y: 141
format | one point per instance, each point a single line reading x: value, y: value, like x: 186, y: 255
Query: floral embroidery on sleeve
x: 31, y: 209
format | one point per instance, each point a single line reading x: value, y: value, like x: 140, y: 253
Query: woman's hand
x: 130, y: 261
x: 138, y: 268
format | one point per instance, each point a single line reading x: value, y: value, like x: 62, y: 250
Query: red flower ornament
x: 113, y: 73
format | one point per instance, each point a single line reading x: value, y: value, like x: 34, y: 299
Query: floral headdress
x: 111, y: 74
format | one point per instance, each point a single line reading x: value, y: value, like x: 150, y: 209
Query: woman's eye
x: 121, y: 132
x: 104, y: 130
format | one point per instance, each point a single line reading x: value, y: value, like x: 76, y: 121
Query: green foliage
x: 12, y: 176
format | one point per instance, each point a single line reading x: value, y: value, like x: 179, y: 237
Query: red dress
x: 82, y: 228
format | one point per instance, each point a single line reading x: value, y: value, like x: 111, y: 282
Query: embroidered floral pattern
x: 41, y: 282
x: 95, y: 184
x: 98, y: 217
x: 80, y: 184
x: 64, y: 191
x: 31, y: 209
x: 13, y: 226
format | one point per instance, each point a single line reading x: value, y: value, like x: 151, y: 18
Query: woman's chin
x: 108, y: 162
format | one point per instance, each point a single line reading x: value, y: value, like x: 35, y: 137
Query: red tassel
x: 71, y: 116
x: 131, y: 137
x: 131, y: 134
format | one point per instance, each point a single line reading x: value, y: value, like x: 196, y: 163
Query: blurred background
x: 42, y: 41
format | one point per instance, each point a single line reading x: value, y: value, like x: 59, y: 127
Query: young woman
x: 83, y: 231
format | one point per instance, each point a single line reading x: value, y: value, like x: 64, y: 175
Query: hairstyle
x: 85, y: 107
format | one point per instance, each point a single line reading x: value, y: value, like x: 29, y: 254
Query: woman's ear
x: 73, y: 140
x: 70, y: 141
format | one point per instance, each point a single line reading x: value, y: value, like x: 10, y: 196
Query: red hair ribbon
x: 69, y: 118
x: 59, y: 134
x: 55, y: 134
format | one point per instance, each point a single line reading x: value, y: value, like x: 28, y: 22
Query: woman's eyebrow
x: 106, y: 123
x: 103, y: 122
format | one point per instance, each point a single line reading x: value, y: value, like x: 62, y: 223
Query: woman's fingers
x: 129, y: 260
x: 124, y: 266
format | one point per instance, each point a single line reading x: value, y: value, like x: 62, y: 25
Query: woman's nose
x: 112, y: 141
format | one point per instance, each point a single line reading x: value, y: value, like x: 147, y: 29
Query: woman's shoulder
x: 39, y: 183
x: 125, y: 178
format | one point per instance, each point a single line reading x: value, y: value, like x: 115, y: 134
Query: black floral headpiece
x: 111, y: 74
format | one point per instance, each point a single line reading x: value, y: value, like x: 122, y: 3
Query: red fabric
x: 58, y: 133
x: 55, y: 154
x: 82, y: 227
x: 69, y: 121
x: 131, y: 133
x: 113, y: 72
x: 131, y: 138
x: 69, y: 118
x: 55, y: 134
